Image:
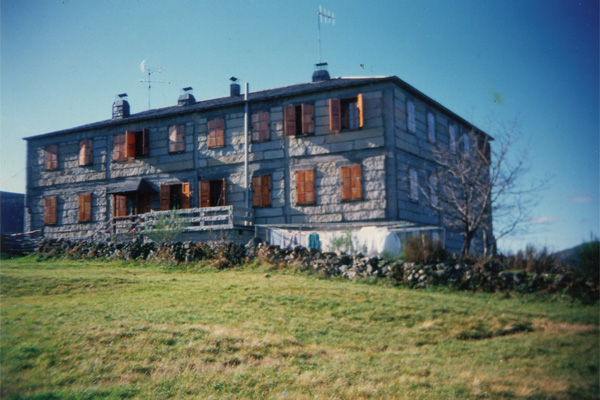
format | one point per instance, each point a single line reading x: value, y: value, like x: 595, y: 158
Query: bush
x: 421, y: 249
x: 589, y: 260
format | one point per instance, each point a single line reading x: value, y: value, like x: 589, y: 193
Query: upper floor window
x: 305, y: 187
x: 346, y: 113
x: 260, y: 126
x: 175, y: 197
x: 261, y: 191
x: 466, y: 144
x: 351, y: 182
x: 131, y: 144
x: 216, y: 133
x: 299, y: 120
x: 51, y: 157
x: 84, y: 207
x: 413, y: 184
x: 410, y: 115
x: 50, y: 206
x: 431, y: 126
x: 85, y: 152
x: 176, y: 139
x: 452, y: 137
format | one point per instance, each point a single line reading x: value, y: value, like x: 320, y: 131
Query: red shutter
x: 360, y: 106
x: 165, y: 197
x: 261, y: 191
x: 346, y: 183
x: 85, y: 152
x: 256, y: 192
x: 216, y: 133
x: 185, y: 195
x: 130, y: 144
x: 300, y: 191
x: 50, y: 211
x: 119, y: 148
x: 356, y: 175
x: 289, y: 128
x: 335, y: 115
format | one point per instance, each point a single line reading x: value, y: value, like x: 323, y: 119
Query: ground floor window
x: 133, y: 203
x: 175, y: 197
x: 212, y: 193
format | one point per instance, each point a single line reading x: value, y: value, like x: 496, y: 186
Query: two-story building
x: 331, y: 152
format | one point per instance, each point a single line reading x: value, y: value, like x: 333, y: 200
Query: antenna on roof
x: 150, y: 70
x: 323, y: 16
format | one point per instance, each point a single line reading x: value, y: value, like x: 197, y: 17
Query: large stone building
x: 333, y: 151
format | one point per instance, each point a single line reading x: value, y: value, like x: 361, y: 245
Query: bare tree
x: 473, y: 183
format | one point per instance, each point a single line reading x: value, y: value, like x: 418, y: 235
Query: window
x: 212, y: 193
x: 85, y: 152
x: 120, y: 205
x: 414, y: 185
x: 433, y: 189
x: 299, y: 120
x: 410, y: 113
x: 133, y: 203
x: 131, y: 144
x: 260, y: 126
x: 50, y: 211
x: 176, y: 139
x: 351, y: 182
x: 261, y: 191
x: 51, y: 157
x: 85, y: 207
x: 175, y: 197
x: 452, y: 134
x: 216, y: 133
x: 305, y: 187
x: 466, y: 145
x: 431, y: 126
x: 346, y: 113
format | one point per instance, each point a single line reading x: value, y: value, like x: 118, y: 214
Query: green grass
x: 99, y: 330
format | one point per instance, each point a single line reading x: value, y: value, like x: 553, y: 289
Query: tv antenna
x: 150, y: 70
x: 323, y: 16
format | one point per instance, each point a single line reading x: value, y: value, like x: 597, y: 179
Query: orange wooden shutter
x: 81, y: 208
x: 256, y: 192
x: 119, y: 152
x: 51, y: 157
x: 360, y: 106
x: 255, y: 127
x: 204, y: 194
x: 346, y: 183
x: 120, y: 205
x: 185, y: 195
x: 308, y: 123
x: 165, y: 197
x: 335, y: 115
x: 222, y: 200
x: 266, y: 190
x: 356, y: 175
x: 85, y: 207
x: 50, y: 211
x: 289, y: 121
x: 85, y: 152
x: 309, y: 186
x: 300, y: 191
x: 220, y: 132
x: 130, y: 144
x: 263, y: 126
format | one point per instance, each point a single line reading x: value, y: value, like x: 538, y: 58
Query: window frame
x: 216, y: 133
x: 431, y: 123
x: 351, y: 182
x: 261, y: 126
x: 84, y: 207
x: 305, y: 187
x: 176, y: 139
x: 86, y: 152
x: 131, y: 145
x: 341, y: 110
x: 51, y: 157
x: 452, y: 137
x: 51, y: 211
x: 299, y: 120
x: 261, y: 191
x: 166, y: 196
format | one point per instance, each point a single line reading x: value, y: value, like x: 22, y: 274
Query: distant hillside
x: 572, y: 256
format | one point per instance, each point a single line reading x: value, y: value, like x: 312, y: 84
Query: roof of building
x: 285, y: 91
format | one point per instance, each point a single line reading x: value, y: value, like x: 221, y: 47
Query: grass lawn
x: 100, y: 330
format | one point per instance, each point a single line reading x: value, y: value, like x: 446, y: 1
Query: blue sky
x: 534, y: 61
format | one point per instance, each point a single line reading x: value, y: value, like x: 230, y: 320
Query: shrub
x: 589, y: 260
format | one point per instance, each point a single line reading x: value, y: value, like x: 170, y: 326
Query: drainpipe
x: 246, y: 145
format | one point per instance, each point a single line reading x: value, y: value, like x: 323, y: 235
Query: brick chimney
x: 121, y: 107
x: 186, y: 98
